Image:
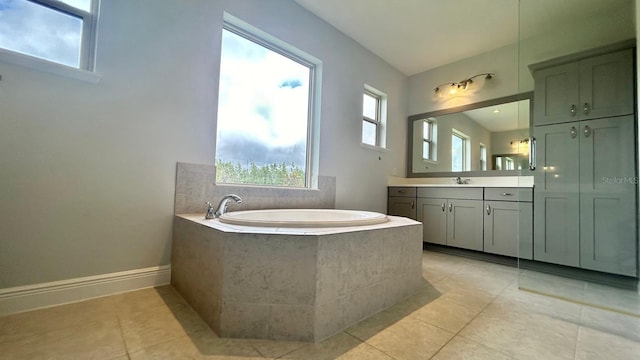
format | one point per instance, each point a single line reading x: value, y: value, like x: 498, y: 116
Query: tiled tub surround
x: 302, y: 284
x: 195, y: 185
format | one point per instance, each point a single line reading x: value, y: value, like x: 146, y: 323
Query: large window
x: 483, y: 157
x: 264, y: 112
x: 57, y: 31
x: 373, y: 117
x: 459, y: 151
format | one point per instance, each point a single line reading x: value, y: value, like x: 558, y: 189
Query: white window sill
x: 374, y: 148
x: 35, y: 63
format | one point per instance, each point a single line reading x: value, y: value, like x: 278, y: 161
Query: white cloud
x: 35, y: 30
x: 253, y: 101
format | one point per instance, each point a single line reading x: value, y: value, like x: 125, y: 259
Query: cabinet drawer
x: 509, y: 194
x: 402, y: 191
x: 451, y: 193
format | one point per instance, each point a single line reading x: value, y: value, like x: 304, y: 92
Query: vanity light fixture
x: 462, y: 85
x: 523, y: 141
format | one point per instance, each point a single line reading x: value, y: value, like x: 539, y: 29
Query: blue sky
x: 35, y: 30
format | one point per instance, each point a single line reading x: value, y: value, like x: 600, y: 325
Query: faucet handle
x: 210, y: 211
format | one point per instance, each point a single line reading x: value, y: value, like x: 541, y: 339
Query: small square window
x: 373, y: 117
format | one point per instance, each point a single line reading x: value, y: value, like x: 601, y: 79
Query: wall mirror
x: 488, y: 138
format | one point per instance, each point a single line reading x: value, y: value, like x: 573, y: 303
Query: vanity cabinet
x: 586, y: 88
x: 451, y: 216
x: 508, y: 222
x: 585, y: 199
x: 402, y: 202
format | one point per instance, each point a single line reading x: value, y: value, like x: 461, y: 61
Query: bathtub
x: 294, y: 275
x: 303, y: 218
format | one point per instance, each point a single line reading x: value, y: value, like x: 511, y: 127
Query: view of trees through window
x: 263, y: 115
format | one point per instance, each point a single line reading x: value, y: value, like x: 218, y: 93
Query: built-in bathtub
x: 307, y: 218
x: 283, y: 281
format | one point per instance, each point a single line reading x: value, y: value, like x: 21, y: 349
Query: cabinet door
x: 608, y: 196
x: 556, y: 94
x: 432, y: 214
x: 464, y: 224
x: 508, y: 228
x: 606, y: 85
x: 402, y: 206
x: 556, y: 195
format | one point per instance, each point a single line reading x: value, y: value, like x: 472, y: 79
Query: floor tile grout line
x: 575, y: 348
x: 469, y: 322
x: 368, y: 344
x: 124, y: 342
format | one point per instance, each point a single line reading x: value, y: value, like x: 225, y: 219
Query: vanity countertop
x: 494, y: 181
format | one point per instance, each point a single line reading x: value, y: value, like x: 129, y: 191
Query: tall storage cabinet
x: 586, y: 177
x: 608, y: 183
x: 589, y: 88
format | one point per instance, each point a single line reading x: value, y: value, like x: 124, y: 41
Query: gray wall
x: 87, y: 175
x: 510, y: 63
x: 501, y: 141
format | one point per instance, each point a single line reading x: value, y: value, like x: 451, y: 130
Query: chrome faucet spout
x: 224, y: 204
x: 460, y: 181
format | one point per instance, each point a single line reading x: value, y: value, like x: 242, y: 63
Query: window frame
x: 376, y: 122
x: 483, y: 157
x: 381, y: 118
x: 429, y: 140
x: 261, y: 38
x: 87, y: 56
x: 466, y: 140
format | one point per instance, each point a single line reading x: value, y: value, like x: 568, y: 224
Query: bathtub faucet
x: 222, y: 206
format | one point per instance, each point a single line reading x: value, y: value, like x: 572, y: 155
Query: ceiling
x: 502, y: 117
x: 417, y: 35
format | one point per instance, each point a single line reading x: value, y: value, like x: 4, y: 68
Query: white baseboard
x: 31, y: 297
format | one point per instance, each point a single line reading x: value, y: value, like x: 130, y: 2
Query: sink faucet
x: 222, y: 206
x: 460, y: 181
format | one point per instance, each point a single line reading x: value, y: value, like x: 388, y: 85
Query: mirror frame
x: 506, y: 99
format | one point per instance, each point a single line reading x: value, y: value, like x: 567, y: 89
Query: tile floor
x: 468, y: 309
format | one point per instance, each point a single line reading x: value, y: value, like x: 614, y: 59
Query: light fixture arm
x: 464, y: 83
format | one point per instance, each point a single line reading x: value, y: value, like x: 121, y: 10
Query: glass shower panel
x: 572, y: 55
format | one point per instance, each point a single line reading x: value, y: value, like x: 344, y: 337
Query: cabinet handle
x: 488, y: 209
x: 413, y: 205
x: 587, y: 131
x: 586, y: 108
x: 506, y: 194
x: 450, y: 207
x: 574, y: 132
x: 532, y: 153
x: 573, y: 110
x: 443, y: 206
x: 400, y: 191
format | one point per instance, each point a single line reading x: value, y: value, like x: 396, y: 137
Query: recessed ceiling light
x: 496, y: 111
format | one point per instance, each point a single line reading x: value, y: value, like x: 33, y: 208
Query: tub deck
x: 299, y: 284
